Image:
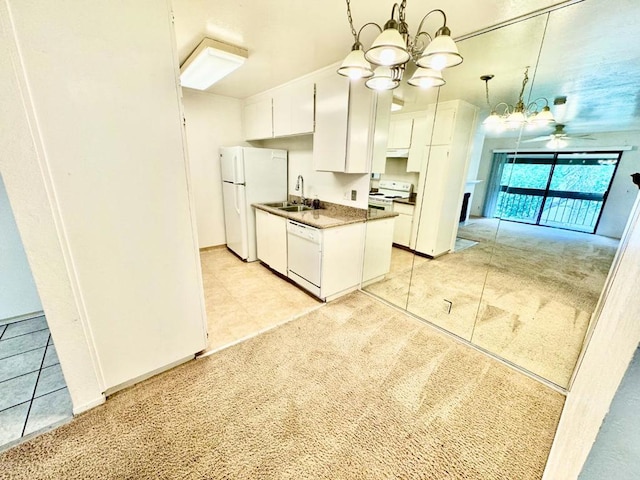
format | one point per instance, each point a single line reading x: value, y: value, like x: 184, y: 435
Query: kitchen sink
x: 279, y: 204
x: 295, y: 208
x: 288, y: 207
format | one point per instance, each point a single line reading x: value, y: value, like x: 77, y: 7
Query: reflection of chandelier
x: 512, y: 117
x: 394, y: 47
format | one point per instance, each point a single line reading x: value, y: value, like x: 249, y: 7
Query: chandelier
x: 393, y: 48
x: 512, y: 117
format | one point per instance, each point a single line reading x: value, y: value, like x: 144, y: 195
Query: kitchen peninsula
x: 322, y: 250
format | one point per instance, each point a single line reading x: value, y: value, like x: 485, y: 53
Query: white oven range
x: 387, y: 191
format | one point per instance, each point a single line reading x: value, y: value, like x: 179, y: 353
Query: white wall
x: 213, y: 121
x: 18, y: 293
x: 28, y: 184
x: 103, y: 102
x: 622, y: 193
x: 609, y: 351
x: 616, y: 451
x: 329, y: 187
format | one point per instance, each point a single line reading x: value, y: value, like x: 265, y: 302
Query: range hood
x: 397, y: 153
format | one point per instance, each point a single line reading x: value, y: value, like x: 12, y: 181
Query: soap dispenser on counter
x: 316, y: 203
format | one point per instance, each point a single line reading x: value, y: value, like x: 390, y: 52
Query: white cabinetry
x: 377, y: 249
x: 426, y: 131
x: 400, y: 132
x: 352, y: 125
x: 443, y: 173
x: 403, y: 224
x: 285, y: 111
x: 341, y: 259
x: 293, y: 109
x: 257, y: 119
x: 271, y: 236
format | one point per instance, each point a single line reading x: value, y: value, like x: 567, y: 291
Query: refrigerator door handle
x: 235, y: 199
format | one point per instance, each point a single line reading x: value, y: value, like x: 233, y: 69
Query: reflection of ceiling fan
x: 558, y: 138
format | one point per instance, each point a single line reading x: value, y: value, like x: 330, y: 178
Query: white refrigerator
x: 249, y: 175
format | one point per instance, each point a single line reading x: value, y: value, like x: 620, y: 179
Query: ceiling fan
x: 558, y: 138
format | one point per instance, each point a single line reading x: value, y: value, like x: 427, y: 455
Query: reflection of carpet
x: 542, y: 285
x: 353, y: 390
x: 462, y: 244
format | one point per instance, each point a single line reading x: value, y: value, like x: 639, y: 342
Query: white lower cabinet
x: 271, y: 236
x: 403, y: 224
x: 377, y: 249
x: 341, y: 259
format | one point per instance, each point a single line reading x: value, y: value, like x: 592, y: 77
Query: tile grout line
x: 49, y: 393
x: 22, y: 334
x: 35, y: 387
x: 26, y: 351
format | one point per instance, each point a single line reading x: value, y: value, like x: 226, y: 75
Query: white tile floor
x: 33, y: 393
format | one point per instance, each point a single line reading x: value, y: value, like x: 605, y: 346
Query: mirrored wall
x: 508, y: 234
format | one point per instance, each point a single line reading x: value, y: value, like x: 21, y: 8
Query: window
x: 563, y: 190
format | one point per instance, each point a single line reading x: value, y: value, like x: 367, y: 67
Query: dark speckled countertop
x: 331, y: 215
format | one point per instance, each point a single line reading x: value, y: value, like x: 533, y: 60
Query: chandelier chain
x: 524, y: 84
x: 486, y: 86
x: 350, y: 18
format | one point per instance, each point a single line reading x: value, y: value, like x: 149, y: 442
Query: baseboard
x: 213, y: 247
x: 77, y: 410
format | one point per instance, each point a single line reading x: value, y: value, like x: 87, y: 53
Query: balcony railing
x: 570, y: 210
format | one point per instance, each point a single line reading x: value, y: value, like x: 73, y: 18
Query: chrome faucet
x: 300, y: 186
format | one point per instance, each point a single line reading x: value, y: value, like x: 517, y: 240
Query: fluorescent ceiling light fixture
x: 396, y: 104
x: 210, y: 62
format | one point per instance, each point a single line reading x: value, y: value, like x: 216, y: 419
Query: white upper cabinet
x: 352, y: 124
x: 293, y: 109
x: 285, y: 111
x: 400, y: 132
x: 257, y: 119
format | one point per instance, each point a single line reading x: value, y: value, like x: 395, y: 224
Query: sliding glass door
x: 561, y: 190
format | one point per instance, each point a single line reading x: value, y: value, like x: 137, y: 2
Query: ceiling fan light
x: 382, y: 79
x: 389, y: 48
x: 355, y: 66
x: 426, y: 78
x: 556, y: 143
x: 441, y: 53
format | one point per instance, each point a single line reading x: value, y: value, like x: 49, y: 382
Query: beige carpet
x: 353, y: 390
x: 541, y: 287
x: 243, y: 299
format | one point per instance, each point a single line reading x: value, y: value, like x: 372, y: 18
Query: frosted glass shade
x: 388, y: 49
x: 441, y: 53
x: 515, y: 120
x: 544, y: 117
x: 382, y: 79
x: 426, y: 78
x: 355, y: 66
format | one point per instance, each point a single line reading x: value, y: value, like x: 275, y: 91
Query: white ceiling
x: 288, y: 38
x: 585, y: 51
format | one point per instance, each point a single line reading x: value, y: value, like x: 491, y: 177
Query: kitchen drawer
x: 403, y: 208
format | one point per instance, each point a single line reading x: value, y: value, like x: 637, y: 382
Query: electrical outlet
x: 354, y: 194
x: 446, y: 306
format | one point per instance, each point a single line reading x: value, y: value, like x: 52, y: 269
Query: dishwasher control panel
x: 307, y: 232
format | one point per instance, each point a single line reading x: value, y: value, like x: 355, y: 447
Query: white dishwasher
x: 305, y: 256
